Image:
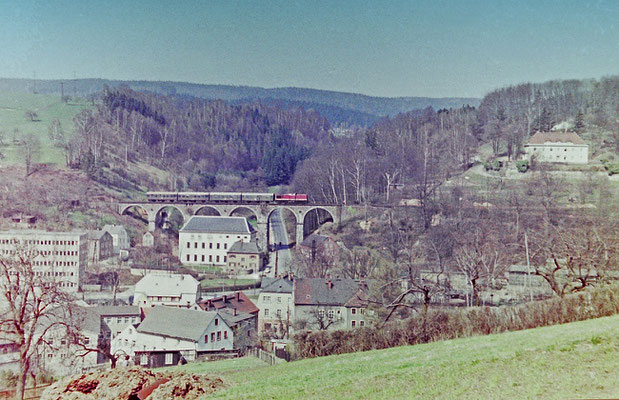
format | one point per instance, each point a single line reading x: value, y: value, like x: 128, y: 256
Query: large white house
x: 168, y: 333
x: 557, y: 147
x: 207, y: 239
x: 167, y: 290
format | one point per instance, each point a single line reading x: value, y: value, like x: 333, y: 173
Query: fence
x: 265, y: 356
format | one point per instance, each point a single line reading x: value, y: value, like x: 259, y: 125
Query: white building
x: 62, y: 256
x: 167, y: 290
x: 207, y: 239
x: 168, y: 333
x: 120, y: 237
x: 557, y: 147
x: 276, y: 304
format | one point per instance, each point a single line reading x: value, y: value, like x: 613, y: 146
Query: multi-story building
x: 244, y: 257
x: 114, y: 319
x: 120, y: 237
x: 167, y: 290
x: 329, y: 303
x: 276, y: 304
x: 62, y: 256
x: 207, y: 239
x: 557, y: 147
x: 100, y: 246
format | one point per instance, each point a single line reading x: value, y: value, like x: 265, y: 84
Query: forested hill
x: 338, y: 107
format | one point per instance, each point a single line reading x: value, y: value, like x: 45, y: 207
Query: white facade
x: 217, y: 336
x: 120, y: 237
x: 209, y: 242
x: 167, y: 290
x: 557, y: 147
x: 60, y: 255
x: 276, y: 311
x: 558, y: 153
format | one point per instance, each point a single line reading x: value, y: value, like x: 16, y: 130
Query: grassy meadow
x: 576, y: 360
x: 48, y: 107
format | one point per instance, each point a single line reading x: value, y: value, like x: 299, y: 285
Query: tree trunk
x: 24, y: 367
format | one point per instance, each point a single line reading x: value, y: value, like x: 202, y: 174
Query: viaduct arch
x: 261, y: 211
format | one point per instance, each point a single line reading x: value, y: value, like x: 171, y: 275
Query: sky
x: 382, y: 48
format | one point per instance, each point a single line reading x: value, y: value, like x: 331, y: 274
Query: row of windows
x: 267, y: 299
x: 353, y: 323
x: 218, y: 336
x: 45, y: 253
x: 203, y: 258
x: 210, y: 245
x: 252, y: 257
x: 278, y: 313
x: 119, y: 320
x: 40, y: 242
x: 53, y: 273
x: 54, y: 263
x: 163, y: 298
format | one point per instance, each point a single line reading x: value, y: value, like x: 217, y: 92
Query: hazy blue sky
x: 383, y: 48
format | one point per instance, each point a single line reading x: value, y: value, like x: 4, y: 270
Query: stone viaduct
x: 261, y: 211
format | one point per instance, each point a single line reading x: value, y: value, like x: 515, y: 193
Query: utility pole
x: 526, y: 247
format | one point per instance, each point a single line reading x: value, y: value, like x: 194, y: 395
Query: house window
x: 203, y: 245
x: 143, y: 359
x: 202, y: 257
x: 331, y: 314
x: 361, y: 323
x: 210, y: 258
x: 210, y: 245
x: 216, y: 321
x: 267, y: 327
x: 353, y: 323
x: 278, y: 313
x: 225, y: 246
x: 212, y: 336
x: 195, y: 245
x: 187, y: 257
x: 217, y: 259
x: 266, y: 312
x: 188, y: 245
x: 218, y: 245
x: 205, y: 338
x: 168, y: 358
x: 225, y: 334
x: 195, y: 257
x: 353, y: 311
x: 279, y: 299
x: 218, y: 336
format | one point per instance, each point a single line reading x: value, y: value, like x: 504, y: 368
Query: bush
x: 450, y: 324
x: 611, y: 168
x: 493, y: 165
x: 522, y: 166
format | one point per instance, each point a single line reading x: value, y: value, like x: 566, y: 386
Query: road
x: 279, y: 235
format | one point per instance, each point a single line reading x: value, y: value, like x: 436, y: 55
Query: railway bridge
x: 152, y: 211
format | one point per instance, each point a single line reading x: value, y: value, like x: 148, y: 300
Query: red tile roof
x: 556, y: 137
x: 238, y: 300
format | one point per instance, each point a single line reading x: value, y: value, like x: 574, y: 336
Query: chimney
x: 225, y: 298
x: 238, y: 297
x: 234, y: 311
x: 329, y: 284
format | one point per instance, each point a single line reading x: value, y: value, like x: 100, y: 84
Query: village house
x: 61, y: 256
x: 321, y: 304
x: 316, y: 245
x: 168, y: 290
x: 120, y: 237
x: 240, y: 313
x: 557, y: 147
x: 114, y: 319
x: 100, y: 246
x: 207, y: 239
x: 276, y: 304
x: 243, y: 258
x: 169, y: 333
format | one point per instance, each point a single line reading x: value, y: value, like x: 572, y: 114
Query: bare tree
x: 33, y: 304
x: 322, y: 317
x: 31, y: 150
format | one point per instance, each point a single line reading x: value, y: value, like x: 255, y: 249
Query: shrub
x: 450, y: 324
x: 522, y: 166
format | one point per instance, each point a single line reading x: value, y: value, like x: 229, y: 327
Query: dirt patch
x: 126, y: 383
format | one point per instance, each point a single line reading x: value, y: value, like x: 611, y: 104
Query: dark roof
x: 97, y: 235
x: 207, y: 224
x: 232, y: 320
x: 276, y: 285
x: 114, y: 229
x: 318, y: 291
x: 320, y: 239
x: 238, y: 301
x: 176, y: 322
x: 244, y: 248
x: 106, y: 311
x: 556, y: 137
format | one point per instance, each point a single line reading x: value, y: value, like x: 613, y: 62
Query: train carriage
x: 258, y: 197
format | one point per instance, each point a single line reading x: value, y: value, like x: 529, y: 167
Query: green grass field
x: 577, y: 360
x: 48, y: 107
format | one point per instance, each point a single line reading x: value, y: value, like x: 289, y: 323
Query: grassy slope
x: 565, y: 361
x: 48, y: 108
